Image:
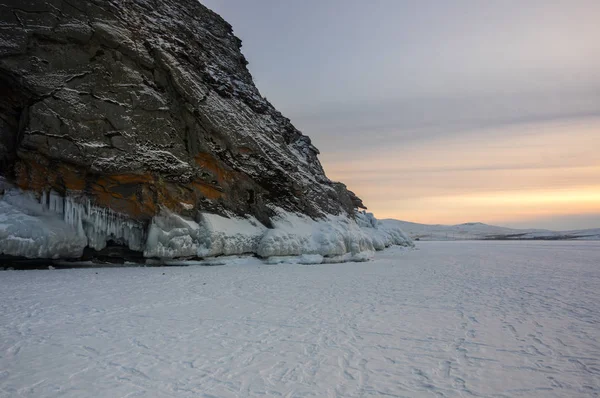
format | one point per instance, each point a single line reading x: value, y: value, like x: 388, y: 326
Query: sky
x: 440, y: 112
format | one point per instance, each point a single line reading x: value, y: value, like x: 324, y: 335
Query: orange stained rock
x: 206, y: 190
x: 129, y: 178
x: 32, y: 176
x: 139, y: 196
x: 208, y: 162
x: 38, y: 175
x: 132, y: 207
x: 72, y: 178
x: 245, y: 150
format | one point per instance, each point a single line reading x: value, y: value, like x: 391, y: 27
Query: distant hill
x: 480, y: 231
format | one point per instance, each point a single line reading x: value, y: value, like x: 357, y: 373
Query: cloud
x: 372, y: 125
x: 412, y: 103
x: 553, y: 167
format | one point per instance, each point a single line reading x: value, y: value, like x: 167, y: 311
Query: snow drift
x: 53, y: 226
x: 173, y: 236
x: 293, y: 237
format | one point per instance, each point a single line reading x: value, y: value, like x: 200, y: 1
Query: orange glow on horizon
x: 515, y: 173
x: 497, y: 206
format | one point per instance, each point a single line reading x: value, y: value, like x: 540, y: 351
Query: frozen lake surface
x: 451, y: 319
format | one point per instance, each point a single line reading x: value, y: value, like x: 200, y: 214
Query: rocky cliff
x: 138, y: 104
x: 130, y: 119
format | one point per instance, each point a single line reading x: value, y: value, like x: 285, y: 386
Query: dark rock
x: 146, y: 103
x: 113, y: 253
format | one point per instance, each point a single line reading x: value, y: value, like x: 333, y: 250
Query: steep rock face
x: 142, y: 104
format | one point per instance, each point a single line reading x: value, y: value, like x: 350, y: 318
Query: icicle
x: 56, y: 203
x: 44, y: 201
x: 96, y: 224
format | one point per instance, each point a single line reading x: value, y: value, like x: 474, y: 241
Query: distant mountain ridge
x: 481, y: 231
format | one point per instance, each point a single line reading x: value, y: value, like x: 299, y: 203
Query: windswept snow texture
x: 480, y: 231
x: 452, y: 319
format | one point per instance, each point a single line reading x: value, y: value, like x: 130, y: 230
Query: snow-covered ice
x: 329, y: 239
x: 451, y: 319
x: 55, y: 226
